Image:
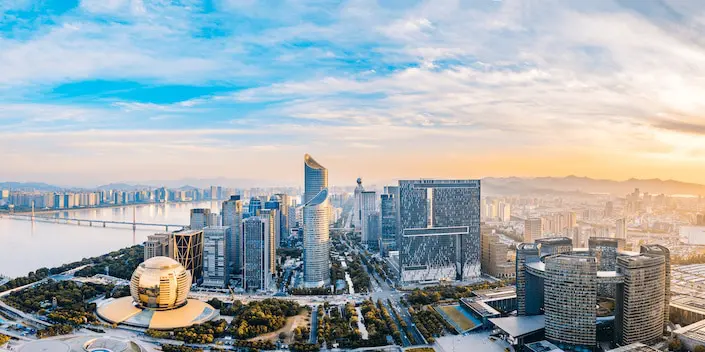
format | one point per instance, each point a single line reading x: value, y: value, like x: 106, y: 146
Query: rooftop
x: 694, y: 331
x: 543, y: 346
x: 521, y: 325
x: 635, y: 347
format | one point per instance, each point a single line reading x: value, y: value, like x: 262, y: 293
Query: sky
x: 98, y: 91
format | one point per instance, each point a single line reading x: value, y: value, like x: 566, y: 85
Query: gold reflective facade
x: 160, y: 283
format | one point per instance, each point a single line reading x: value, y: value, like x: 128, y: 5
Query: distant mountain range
x: 576, y: 184
x: 490, y: 185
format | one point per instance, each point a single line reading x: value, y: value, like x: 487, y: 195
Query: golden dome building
x: 158, y: 299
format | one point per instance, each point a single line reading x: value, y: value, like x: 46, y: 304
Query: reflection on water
x: 26, y: 246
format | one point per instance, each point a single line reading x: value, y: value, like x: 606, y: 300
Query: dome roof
x: 160, y: 283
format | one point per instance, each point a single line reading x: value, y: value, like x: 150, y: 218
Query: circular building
x: 159, y: 289
x: 82, y: 343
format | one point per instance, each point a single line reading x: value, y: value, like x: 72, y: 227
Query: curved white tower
x: 316, y: 224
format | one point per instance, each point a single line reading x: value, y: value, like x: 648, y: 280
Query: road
x: 314, y: 325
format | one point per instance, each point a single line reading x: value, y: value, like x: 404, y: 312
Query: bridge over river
x: 91, y: 222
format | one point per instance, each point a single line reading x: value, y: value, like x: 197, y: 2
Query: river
x: 26, y: 246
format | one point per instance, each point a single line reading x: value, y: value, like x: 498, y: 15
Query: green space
x: 101, y: 261
x: 453, y: 312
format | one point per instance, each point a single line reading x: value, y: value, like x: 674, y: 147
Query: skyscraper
x: 570, y: 298
x: 445, y: 203
x: 272, y: 218
x: 188, y: 250
x: 372, y: 230
x: 284, y: 204
x: 640, y: 299
x: 216, y: 271
x: 388, y: 214
x: 316, y: 224
x: 200, y: 218
x: 254, y: 207
x: 273, y: 207
x: 368, y: 206
x: 232, y: 217
x: 357, y: 206
x: 256, y: 261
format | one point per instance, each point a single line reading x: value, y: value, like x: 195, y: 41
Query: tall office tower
x: 639, y: 316
x: 368, y: 205
x: 605, y: 252
x: 570, y: 289
x: 216, y: 272
x: 533, y: 229
x: 256, y: 273
x: 200, y: 218
x: 494, y: 257
x: 609, y: 209
x: 272, y: 218
x: 372, y: 230
x: 293, y: 215
x: 232, y: 217
x: 274, y: 205
x: 445, y: 203
x: 621, y: 225
x: 659, y: 250
x: 388, y: 220
x: 316, y: 224
x: 529, y: 296
x: 188, y: 250
x: 158, y: 245
x: 254, y: 207
x: 285, y: 227
x: 430, y: 254
x: 357, y: 206
x: 554, y: 245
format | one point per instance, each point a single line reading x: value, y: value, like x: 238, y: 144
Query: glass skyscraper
x: 232, y: 217
x: 316, y: 224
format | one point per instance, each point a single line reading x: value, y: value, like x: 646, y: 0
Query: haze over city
x: 98, y: 91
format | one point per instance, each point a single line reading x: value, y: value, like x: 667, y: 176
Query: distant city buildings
x: 533, y: 229
x: 368, y: 207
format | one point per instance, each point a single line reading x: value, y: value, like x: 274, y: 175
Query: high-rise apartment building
x: 659, y: 250
x: 200, y: 218
x: 256, y: 261
x: 621, y: 225
x: 232, y: 212
x: 533, y: 229
x: 316, y: 224
x: 216, y: 271
x: 188, y: 250
x: 444, y: 203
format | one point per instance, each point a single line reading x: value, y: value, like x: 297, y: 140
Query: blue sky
x: 95, y: 91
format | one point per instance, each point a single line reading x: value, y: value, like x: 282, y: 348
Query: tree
x: 699, y: 348
x: 675, y: 345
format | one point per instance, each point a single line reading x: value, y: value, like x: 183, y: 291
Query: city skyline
x: 95, y: 92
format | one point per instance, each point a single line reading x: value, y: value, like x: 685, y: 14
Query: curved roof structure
x: 312, y: 163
